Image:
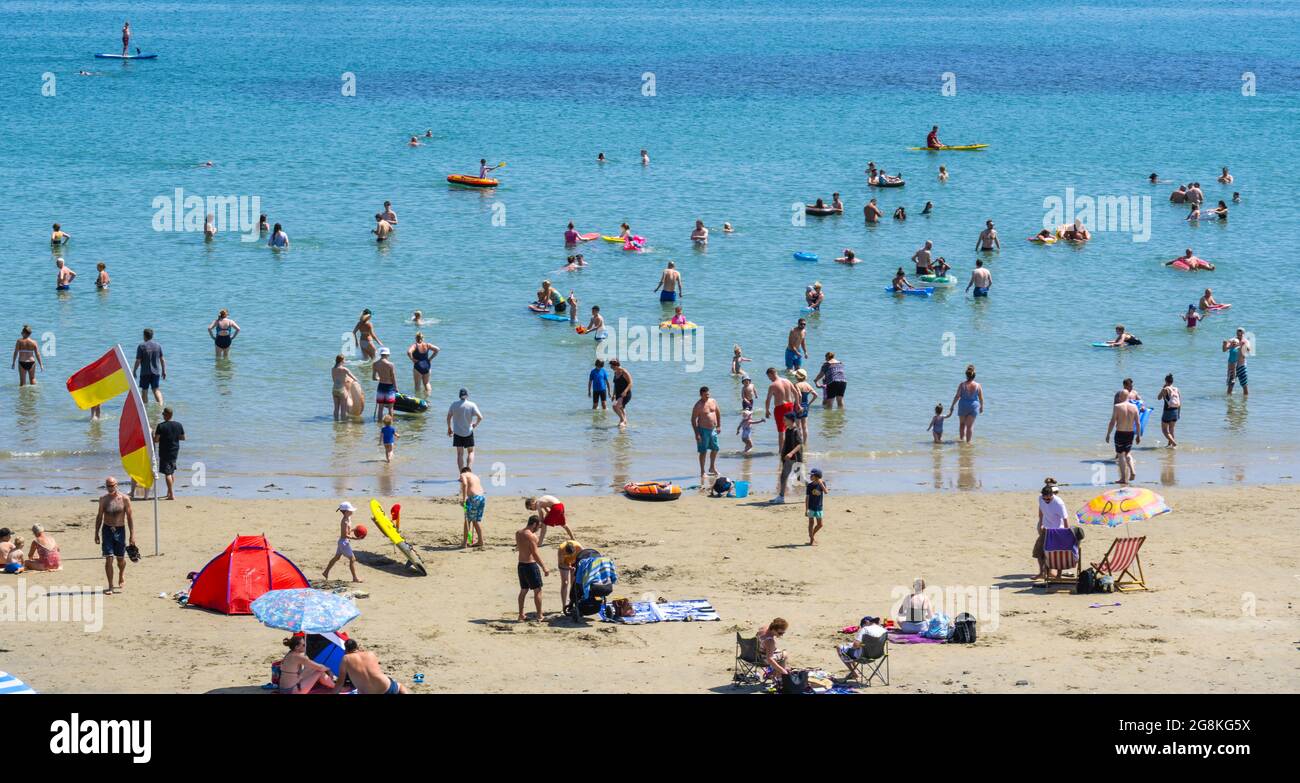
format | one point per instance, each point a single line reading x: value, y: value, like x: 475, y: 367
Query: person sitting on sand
x: 900, y: 282
x: 849, y: 257
x: 1052, y: 515
x: 362, y: 668
x: 44, y: 552
x: 777, y: 661
x: 299, y: 673
x: 13, y: 562
x: 870, y: 627
x: 6, y: 544
x: 915, y: 610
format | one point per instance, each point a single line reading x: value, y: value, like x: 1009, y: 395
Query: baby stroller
x: 593, y: 580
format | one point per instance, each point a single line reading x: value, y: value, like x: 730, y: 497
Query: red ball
x: 360, y: 530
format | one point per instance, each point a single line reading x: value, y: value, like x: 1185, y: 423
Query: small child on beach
x: 346, y: 535
x: 814, y: 501
x: 737, y: 359
x: 936, y: 423
x: 13, y: 563
x: 389, y: 437
x: 745, y: 429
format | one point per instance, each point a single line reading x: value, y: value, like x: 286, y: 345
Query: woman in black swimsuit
x: 622, y: 392
x: 421, y: 355
x: 223, y: 332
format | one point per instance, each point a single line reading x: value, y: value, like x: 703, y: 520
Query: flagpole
x: 148, y: 440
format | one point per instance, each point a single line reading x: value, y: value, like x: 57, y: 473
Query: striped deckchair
x: 11, y: 684
x: 1061, y: 552
x: 1119, y: 559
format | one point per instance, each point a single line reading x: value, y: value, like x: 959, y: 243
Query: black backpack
x: 963, y: 629
x: 1087, y: 582
x: 795, y: 682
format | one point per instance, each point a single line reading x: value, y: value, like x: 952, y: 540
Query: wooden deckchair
x: 1118, y: 562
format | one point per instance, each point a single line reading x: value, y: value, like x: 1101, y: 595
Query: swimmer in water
x: 1225, y: 178
x: 58, y: 236
x: 102, y: 280
x: 738, y: 358
x: 929, y: 207
x: 209, y: 228
x: 900, y: 214
x: 700, y: 235
x: 940, y: 268
x: 1122, y: 338
x: 679, y: 319
x: 849, y: 257
x: 223, y: 331
x: 1153, y: 179
x: 428, y: 133
x: 625, y: 232
x: 988, y: 239
x: 421, y: 354
x: 1192, y: 317
x: 601, y: 158
x: 943, y: 174
x: 1208, y: 302
x: 572, y: 304
x: 596, y: 326
x: 1043, y: 236
x: 64, y: 276
x: 900, y: 282
x: 389, y: 214
x: 262, y: 225
x: 727, y: 229
x: 1236, y: 197
x: 922, y: 259
x: 645, y: 158
x: 417, y: 318
x: 27, y: 356
x: 814, y: 297
x: 872, y: 212
x: 414, y: 142
x: 206, y: 164
x: 382, y: 228
x: 364, y: 334
x: 1192, y: 261
x: 279, y: 240
x: 836, y: 204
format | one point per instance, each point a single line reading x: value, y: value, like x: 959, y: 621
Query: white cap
x: 346, y: 506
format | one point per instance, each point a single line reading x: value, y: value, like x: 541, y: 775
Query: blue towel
x: 1060, y: 539
x: 696, y: 610
x: 595, y: 570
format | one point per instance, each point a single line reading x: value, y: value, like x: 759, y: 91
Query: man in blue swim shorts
x: 980, y: 279
x: 706, y: 420
x: 474, y: 501
x: 796, y: 346
x: 671, y: 284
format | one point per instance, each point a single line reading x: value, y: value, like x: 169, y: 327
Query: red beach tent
x: 240, y: 575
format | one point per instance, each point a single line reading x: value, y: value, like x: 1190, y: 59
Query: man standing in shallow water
x: 988, y: 240
x: 706, y: 423
x: 1124, y: 423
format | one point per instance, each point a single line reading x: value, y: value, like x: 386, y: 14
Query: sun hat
x: 346, y: 506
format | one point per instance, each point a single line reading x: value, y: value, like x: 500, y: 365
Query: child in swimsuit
x: 1192, y: 317
x: 936, y: 423
x: 745, y: 430
x: 678, y: 318
x: 389, y: 437
x: 737, y: 358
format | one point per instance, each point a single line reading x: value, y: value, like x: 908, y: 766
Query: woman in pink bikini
x: 44, y: 554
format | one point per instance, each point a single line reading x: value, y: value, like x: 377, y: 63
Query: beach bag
x: 623, y: 608
x: 1087, y: 582
x: 963, y: 629
x: 939, y: 626
x: 794, y: 682
x: 721, y: 486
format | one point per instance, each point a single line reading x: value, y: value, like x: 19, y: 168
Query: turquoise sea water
x: 756, y: 106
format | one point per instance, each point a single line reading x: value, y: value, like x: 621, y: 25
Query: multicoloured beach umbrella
x: 304, y: 610
x: 1120, y: 506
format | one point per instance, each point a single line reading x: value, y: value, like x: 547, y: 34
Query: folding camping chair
x: 749, y: 664
x: 1123, y: 555
x: 874, y: 656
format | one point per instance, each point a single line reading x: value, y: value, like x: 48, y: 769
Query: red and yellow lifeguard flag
x: 134, y: 441
x: 101, y: 380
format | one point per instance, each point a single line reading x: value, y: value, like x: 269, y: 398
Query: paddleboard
x: 911, y: 291
x: 613, y: 239
x: 950, y: 148
x: 588, y: 237
x: 805, y: 256
x: 381, y: 520
x: 126, y: 57
x: 553, y: 317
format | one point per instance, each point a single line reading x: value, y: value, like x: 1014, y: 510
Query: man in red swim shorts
x: 551, y: 510
x: 781, y: 393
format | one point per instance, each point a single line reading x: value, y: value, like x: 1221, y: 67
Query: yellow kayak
x: 957, y: 148
x: 619, y: 240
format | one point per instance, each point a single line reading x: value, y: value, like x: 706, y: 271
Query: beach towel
x: 1060, y: 539
x: 11, y: 684
x: 695, y: 610
x: 595, y: 570
x: 898, y: 637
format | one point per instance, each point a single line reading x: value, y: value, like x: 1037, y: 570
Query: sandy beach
x: 1220, y: 616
